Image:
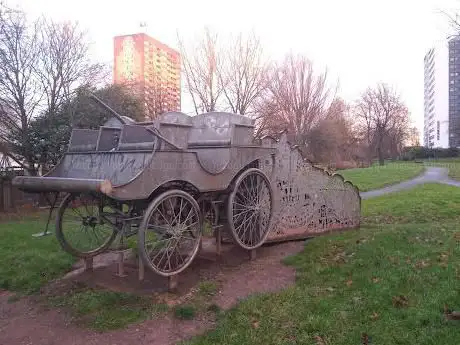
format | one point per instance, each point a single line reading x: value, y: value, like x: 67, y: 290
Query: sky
x: 361, y: 42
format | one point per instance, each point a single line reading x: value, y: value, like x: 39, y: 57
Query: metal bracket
x: 52, y: 207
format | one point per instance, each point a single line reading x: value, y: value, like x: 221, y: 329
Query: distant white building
x: 436, y: 114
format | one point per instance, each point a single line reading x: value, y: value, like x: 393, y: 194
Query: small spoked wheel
x: 249, y: 209
x: 85, y: 224
x: 170, y: 234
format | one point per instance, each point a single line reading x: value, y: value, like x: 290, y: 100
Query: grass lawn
x: 26, y: 262
x: 106, y: 310
x: 452, y: 164
x: 388, y: 282
x: 377, y: 176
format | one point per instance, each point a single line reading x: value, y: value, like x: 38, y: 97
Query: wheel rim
x: 250, y: 207
x: 87, y: 224
x: 172, y: 234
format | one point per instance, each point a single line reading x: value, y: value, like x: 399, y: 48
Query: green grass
x: 26, y: 262
x: 106, y: 310
x: 452, y: 164
x: 428, y: 203
x: 377, y: 176
x: 388, y: 281
x: 207, y: 288
x: 185, y: 312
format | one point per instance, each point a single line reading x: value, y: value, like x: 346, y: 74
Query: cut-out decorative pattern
x: 308, y: 200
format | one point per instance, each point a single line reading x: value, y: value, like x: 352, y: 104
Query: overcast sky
x: 361, y: 42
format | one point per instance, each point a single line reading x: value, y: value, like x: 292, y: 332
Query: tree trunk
x: 380, y: 154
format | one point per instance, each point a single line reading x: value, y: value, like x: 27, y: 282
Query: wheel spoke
x: 250, y: 207
x: 80, y: 229
x: 179, y: 218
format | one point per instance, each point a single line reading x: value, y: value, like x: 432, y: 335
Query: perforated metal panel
x: 308, y: 201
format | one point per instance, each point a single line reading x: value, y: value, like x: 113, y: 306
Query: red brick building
x: 152, y: 68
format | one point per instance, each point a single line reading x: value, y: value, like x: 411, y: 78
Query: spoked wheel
x: 85, y: 224
x: 249, y: 209
x: 170, y: 233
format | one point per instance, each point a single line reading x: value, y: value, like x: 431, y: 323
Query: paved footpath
x: 431, y: 174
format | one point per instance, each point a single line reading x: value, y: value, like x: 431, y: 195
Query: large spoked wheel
x: 249, y: 209
x: 170, y: 233
x: 85, y: 224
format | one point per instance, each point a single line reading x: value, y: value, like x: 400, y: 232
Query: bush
x: 420, y: 152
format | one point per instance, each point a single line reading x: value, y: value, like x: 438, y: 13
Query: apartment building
x: 152, y: 68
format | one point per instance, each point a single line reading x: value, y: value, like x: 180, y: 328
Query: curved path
x: 431, y: 174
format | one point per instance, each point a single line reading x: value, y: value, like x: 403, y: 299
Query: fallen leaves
x: 400, y: 301
x: 375, y: 279
x: 255, y: 324
x: 443, y: 259
x: 452, y: 315
x: 319, y: 340
x: 422, y: 264
x: 365, y: 339
x: 374, y: 316
x: 393, y: 260
x: 361, y: 240
x: 349, y: 282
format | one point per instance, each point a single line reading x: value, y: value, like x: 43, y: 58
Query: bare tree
x: 19, y: 92
x: 331, y: 141
x: 41, y: 64
x: 296, y: 99
x: 64, y: 64
x: 364, y: 122
x: 201, y: 64
x: 156, y: 101
x: 384, y: 119
x: 243, y: 73
x: 453, y: 17
x: 413, y: 137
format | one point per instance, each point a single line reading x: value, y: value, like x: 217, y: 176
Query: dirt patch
x: 28, y: 322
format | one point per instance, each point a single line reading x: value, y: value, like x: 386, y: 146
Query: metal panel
x: 308, y: 201
x: 108, y: 139
x: 178, y: 134
x: 136, y: 134
x: 243, y: 135
x: 117, y: 167
x: 83, y: 140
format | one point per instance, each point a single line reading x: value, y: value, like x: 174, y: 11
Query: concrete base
x: 42, y: 234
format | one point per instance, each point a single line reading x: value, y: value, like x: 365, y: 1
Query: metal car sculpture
x: 161, y: 179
